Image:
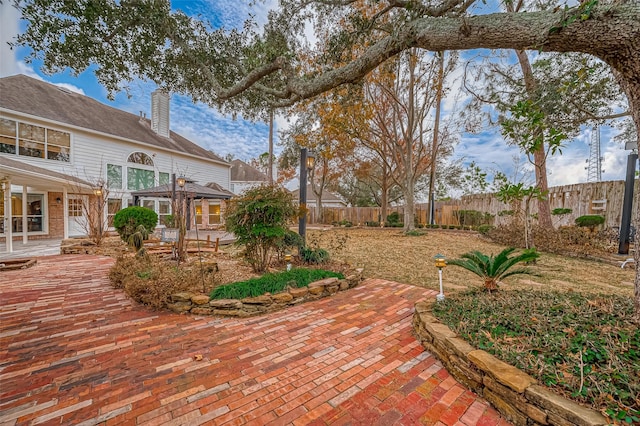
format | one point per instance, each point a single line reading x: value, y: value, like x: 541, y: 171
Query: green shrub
x: 128, y: 221
x: 590, y: 221
x: 506, y: 213
x: 393, y: 220
x: 473, y: 217
x: 484, y: 229
x: 291, y: 240
x: 561, y: 211
x: 260, y: 219
x: 272, y: 283
x: 372, y: 224
x: 314, y: 255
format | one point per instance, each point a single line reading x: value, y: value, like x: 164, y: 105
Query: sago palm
x: 495, y: 268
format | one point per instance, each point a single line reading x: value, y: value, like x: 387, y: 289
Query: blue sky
x: 245, y: 140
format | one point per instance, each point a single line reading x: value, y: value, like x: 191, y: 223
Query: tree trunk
x: 436, y: 134
x: 544, y: 206
x: 539, y: 155
x: 409, y: 136
x: 384, y: 196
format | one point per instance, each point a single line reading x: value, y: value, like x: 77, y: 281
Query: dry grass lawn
x: 387, y: 253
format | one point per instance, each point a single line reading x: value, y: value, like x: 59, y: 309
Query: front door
x: 77, y: 215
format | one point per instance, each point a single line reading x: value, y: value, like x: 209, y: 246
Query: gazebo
x: 189, y: 192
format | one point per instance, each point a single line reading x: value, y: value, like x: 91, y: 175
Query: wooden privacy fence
x: 602, y: 198
x: 444, y: 214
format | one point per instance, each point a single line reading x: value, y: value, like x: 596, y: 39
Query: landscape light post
x: 181, y: 181
x: 441, y: 262
x: 307, y: 161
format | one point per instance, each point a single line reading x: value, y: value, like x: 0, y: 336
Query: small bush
x: 372, y: 224
x: 484, y: 229
x: 272, y: 283
x: 128, y: 221
x: 314, y: 255
x: 393, y: 220
x: 473, y: 217
x: 506, y: 213
x: 590, y: 221
x: 152, y: 281
x: 561, y: 211
x: 291, y: 240
x: 260, y: 218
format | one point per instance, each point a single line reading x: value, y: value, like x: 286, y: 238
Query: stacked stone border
x: 515, y: 394
x: 200, y: 304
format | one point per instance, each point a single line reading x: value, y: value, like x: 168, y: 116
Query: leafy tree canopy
x: 247, y: 70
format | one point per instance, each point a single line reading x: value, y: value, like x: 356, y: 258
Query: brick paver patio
x: 75, y: 351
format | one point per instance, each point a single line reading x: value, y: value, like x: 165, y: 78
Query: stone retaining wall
x: 516, y: 395
x: 199, y: 304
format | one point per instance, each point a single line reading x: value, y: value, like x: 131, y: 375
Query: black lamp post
x: 307, y: 161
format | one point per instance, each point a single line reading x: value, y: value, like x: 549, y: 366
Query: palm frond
x: 469, y: 265
x: 496, y: 267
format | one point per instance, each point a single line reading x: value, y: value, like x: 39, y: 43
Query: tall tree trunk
x: 384, y: 196
x: 436, y: 134
x: 409, y: 137
x: 539, y: 155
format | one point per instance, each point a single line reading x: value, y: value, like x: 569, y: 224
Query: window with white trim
x: 29, y: 140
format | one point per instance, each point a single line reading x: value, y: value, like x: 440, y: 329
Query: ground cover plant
x: 274, y: 282
x: 584, y: 346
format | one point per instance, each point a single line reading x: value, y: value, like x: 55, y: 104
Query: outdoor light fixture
x: 181, y: 181
x: 311, y: 159
x: 97, y: 192
x: 441, y: 262
x: 58, y: 200
x: 287, y: 258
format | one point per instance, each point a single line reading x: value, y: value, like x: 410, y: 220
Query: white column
x: 25, y: 223
x: 8, y: 220
x: 65, y: 213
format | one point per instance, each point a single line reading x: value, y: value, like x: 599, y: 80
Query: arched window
x: 140, y: 177
x: 140, y: 158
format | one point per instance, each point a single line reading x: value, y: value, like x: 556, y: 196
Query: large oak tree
x: 253, y: 69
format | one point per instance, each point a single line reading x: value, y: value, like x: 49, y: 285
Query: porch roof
x: 21, y: 173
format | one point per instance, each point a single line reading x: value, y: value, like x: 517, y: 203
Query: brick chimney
x: 160, y: 112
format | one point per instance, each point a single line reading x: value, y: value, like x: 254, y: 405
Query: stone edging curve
x: 515, y: 394
x: 199, y: 304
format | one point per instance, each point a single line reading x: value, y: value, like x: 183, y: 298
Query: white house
x: 329, y: 199
x: 59, y: 148
x: 245, y: 176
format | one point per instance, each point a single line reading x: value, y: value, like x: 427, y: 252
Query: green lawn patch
x: 583, y: 346
x: 272, y: 283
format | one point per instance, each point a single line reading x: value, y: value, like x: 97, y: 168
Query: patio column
x: 25, y: 223
x: 65, y: 213
x: 8, y: 219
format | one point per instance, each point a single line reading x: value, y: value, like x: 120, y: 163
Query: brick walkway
x: 75, y: 351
